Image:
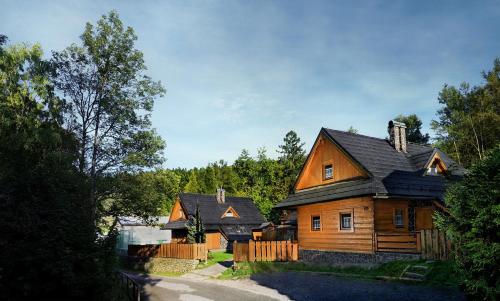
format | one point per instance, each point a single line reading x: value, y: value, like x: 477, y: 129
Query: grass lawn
x: 441, y: 273
x: 215, y: 257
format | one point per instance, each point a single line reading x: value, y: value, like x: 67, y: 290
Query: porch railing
x: 397, y: 242
x: 430, y: 243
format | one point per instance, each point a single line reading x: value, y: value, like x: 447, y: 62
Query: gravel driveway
x: 311, y: 286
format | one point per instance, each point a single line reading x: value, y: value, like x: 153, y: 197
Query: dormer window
x: 230, y: 212
x: 328, y: 172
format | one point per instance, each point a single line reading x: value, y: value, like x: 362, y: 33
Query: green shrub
x: 473, y: 226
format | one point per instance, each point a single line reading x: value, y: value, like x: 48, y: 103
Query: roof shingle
x: 391, y: 172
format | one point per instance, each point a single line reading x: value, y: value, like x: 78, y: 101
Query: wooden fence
x: 265, y: 251
x: 397, y: 242
x: 435, y: 245
x: 181, y: 251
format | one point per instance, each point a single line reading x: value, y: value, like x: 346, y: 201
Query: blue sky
x: 240, y: 74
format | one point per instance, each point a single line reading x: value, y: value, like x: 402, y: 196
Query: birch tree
x: 109, y: 102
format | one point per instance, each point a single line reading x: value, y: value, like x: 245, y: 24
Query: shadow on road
x: 309, y: 286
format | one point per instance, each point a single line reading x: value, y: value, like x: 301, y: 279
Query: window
x: 229, y: 214
x: 398, y: 218
x: 345, y: 221
x: 328, y: 172
x: 315, y: 223
x: 432, y: 170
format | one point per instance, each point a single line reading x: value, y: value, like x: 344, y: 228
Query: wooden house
x: 360, y: 194
x: 225, y: 218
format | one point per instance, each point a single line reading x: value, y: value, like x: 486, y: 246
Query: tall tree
x: 468, y: 123
x: 47, y: 248
x: 193, y: 184
x: 413, y: 129
x: 110, y: 100
x: 292, y: 158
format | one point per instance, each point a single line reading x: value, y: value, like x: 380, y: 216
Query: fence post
x: 418, y: 242
x: 236, y: 253
x: 251, y: 250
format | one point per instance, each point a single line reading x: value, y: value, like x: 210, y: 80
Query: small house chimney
x: 221, y: 196
x: 397, y: 135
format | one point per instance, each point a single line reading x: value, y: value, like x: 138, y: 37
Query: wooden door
x: 213, y: 240
x: 423, y: 218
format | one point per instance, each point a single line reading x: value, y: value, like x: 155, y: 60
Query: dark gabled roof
x: 391, y: 173
x: 211, y: 211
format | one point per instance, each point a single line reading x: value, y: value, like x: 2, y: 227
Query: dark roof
x: 211, y: 211
x: 175, y: 225
x: 391, y: 173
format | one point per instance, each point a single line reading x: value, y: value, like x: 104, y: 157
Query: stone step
x: 410, y: 279
x: 413, y: 275
x: 423, y: 267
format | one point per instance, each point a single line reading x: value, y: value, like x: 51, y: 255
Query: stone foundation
x: 154, y: 265
x: 223, y: 243
x: 343, y: 258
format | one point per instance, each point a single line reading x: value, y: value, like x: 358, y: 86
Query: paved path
x: 157, y: 288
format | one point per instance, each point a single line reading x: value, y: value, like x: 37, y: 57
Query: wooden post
x: 418, y: 243
x: 295, y: 252
x: 375, y: 242
x: 251, y: 251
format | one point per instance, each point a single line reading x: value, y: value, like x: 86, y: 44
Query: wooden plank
x: 295, y: 252
x: 258, y: 250
x: 399, y: 238
x: 417, y: 241
x: 251, y: 251
x: 268, y: 251
x: 273, y: 250
x: 395, y: 245
x: 288, y: 251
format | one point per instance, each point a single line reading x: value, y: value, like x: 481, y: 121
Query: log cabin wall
x: 177, y: 212
x: 384, y: 215
x: 330, y: 237
x: 324, y: 152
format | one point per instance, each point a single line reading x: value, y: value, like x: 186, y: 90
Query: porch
x: 430, y: 243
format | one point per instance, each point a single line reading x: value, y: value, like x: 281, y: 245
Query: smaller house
x: 225, y: 218
x: 135, y: 231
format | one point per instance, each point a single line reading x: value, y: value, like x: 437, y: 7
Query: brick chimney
x: 397, y: 135
x: 221, y: 196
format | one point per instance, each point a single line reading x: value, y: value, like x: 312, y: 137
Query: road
x: 158, y: 288
x: 290, y: 286
x: 316, y: 286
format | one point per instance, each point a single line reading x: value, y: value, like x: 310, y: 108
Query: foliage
x: 68, y: 164
x: 214, y: 258
x: 473, y: 225
x: 195, y: 228
x: 468, y: 123
x: 413, y: 129
x: 267, y: 181
x: 144, y: 194
x: 352, y: 130
x: 442, y: 273
x: 109, y: 104
x: 47, y: 246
